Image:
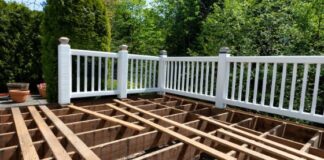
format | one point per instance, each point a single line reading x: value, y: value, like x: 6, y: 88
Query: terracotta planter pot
x: 19, y: 96
x: 4, y: 94
x: 42, y: 91
x: 18, y: 86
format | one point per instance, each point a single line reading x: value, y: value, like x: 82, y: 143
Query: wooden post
x: 122, y: 71
x: 64, y: 71
x: 162, y: 71
x: 222, y: 77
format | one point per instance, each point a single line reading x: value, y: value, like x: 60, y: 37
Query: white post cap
x: 123, y: 47
x: 163, y: 52
x: 224, y: 50
x: 64, y: 40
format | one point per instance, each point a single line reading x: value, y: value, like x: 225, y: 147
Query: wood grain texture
x: 25, y: 142
x: 78, y: 144
x: 182, y: 138
x: 56, y: 147
x: 108, y: 118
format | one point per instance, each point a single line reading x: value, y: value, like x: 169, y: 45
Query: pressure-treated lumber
x: 240, y: 148
x: 184, y: 139
x: 108, y: 118
x: 25, y: 142
x: 56, y: 147
x: 259, y: 145
x: 262, y: 139
x: 78, y: 144
x: 313, y: 141
x: 200, y: 133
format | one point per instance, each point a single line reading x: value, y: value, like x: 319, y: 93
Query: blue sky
x: 37, y: 4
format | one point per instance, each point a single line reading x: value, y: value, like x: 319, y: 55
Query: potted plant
x: 19, y: 96
x: 18, y: 86
x: 42, y: 89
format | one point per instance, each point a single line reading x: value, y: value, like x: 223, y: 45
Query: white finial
x: 64, y: 40
x: 123, y: 47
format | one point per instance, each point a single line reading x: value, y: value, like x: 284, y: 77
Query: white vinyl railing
x: 100, y: 67
x: 191, y: 76
x: 270, y: 84
x: 283, y: 85
x: 142, y: 73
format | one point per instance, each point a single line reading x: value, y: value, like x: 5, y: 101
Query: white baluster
x: 264, y: 83
x: 304, y: 87
x: 131, y: 74
x: 106, y: 72
x: 197, y: 80
x: 86, y: 74
x: 273, y: 84
x: 248, y: 78
x: 241, y: 81
x: 256, y: 81
x: 292, y: 89
x: 233, y: 81
x: 78, y: 73
x: 183, y: 75
x: 92, y: 73
x: 283, y: 84
x: 315, y: 91
x: 99, y: 74
x: 136, y: 74
x: 212, y: 79
x: 192, y: 76
x: 201, y: 77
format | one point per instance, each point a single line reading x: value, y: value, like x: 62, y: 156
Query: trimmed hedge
x: 84, y: 22
x: 19, y: 45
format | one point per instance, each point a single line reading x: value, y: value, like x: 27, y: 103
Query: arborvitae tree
x: 84, y: 22
x: 19, y: 45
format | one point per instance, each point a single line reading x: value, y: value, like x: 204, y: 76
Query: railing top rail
x: 144, y: 57
x: 278, y: 59
x: 93, y: 53
x: 205, y: 59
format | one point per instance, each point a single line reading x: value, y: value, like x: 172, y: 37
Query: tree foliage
x: 264, y: 28
x: 84, y: 22
x: 19, y: 45
x: 137, y: 26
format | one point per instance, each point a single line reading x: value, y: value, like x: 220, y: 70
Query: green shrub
x: 84, y: 22
x: 19, y: 45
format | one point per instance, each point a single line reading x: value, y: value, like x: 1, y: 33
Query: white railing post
x: 122, y: 71
x: 222, y: 74
x: 64, y: 71
x: 162, y: 72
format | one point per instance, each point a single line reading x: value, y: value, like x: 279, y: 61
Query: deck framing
x: 168, y: 127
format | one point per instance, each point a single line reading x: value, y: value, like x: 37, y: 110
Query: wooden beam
x: 312, y: 142
x: 200, y: 133
x: 240, y: 148
x: 25, y: 142
x: 182, y: 138
x: 108, y: 118
x: 272, y: 150
x: 261, y: 139
x: 241, y: 122
x: 77, y: 143
x: 56, y: 147
x: 273, y: 130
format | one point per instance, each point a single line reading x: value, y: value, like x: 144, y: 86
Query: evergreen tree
x: 84, y: 22
x: 19, y: 45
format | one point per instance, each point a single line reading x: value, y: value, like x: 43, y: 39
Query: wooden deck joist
x: 25, y: 142
x: 56, y: 147
x: 110, y: 140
